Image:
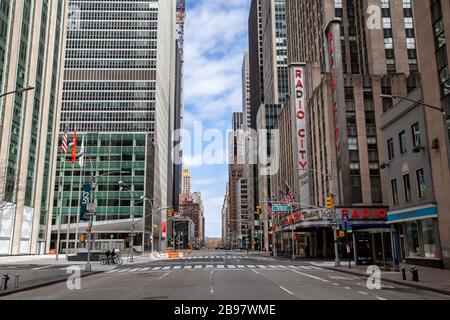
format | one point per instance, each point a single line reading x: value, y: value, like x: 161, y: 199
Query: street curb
x: 405, y: 284
x: 45, y: 284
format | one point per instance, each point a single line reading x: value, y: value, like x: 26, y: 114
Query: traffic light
x: 259, y: 208
x: 171, y: 213
x: 330, y: 203
x: 82, y: 238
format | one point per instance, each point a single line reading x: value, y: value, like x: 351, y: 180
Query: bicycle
x: 115, y: 260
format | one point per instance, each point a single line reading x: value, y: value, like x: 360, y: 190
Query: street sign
x: 278, y: 208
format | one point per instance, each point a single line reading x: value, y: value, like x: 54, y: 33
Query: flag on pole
x: 64, y: 141
x: 269, y: 209
x: 288, y: 195
x: 81, y: 159
x: 74, y: 147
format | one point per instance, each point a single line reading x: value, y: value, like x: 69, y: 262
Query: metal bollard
x: 5, y: 279
x: 404, y: 273
x: 16, y: 283
x: 415, y: 274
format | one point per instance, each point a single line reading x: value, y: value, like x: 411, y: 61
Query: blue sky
x: 215, y: 42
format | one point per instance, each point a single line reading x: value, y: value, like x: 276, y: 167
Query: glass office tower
x: 118, y: 93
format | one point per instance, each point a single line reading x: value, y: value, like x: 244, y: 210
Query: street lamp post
x: 17, y: 91
x: 151, y: 209
x: 391, y: 96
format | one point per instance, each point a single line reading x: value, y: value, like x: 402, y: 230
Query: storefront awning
x: 413, y: 213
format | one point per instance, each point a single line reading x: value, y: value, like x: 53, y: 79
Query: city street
x: 225, y: 275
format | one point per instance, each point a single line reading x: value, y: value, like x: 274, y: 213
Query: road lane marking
x: 124, y: 270
x: 286, y: 290
x: 362, y: 292
x: 271, y: 266
x: 167, y: 268
x: 256, y: 272
x: 348, y: 288
x: 241, y: 266
x: 251, y: 266
x: 336, y: 284
x: 282, y: 267
x: 220, y: 266
x: 134, y: 270
x: 316, y: 268
x: 293, y: 267
x: 177, y: 267
x: 231, y: 266
x: 198, y: 267
x: 145, y: 269
x: 45, y: 267
x: 156, y: 268
x: 310, y: 276
x: 262, y: 267
x: 380, y: 298
x: 209, y: 266
x: 187, y: 267
x: 165, y: 275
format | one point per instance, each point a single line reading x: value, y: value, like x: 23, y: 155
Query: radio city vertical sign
x: 333, y: 54
x: 300, y: 129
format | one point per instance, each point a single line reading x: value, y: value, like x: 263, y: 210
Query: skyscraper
x: 119, y: 94
x: 30, y: 46
x: 186, y: 182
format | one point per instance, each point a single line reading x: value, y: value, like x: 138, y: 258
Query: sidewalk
x: 430, y: 279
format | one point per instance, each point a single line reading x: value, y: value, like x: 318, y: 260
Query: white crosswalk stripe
x: 220, y: 266
x: 145, y: 269
x: 262, y: 266
x: 209, y: 266
x: 124, y: 270
x: 293, y: 267
x: 166, y: 268
x: 134, y: 270
x: 316, y: 268
x: 112, y: 271
x: 271, y: 266
x: 282, y: 267
x: 251, y: 266
x: 156, y: 268
x: 241, y: 266
x: 198, y: 267
x: 176, y: 267
x: 305, y: 268
x: 231, y: 266
x: 187, y: 267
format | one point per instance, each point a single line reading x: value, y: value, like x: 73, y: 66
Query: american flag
x: 64, y: 141
x: 269, y: 209
x: 288, y: 195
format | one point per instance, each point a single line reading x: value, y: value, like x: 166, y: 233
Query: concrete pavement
x: 226, y: 276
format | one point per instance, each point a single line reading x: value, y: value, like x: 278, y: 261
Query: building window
x: 394, y: 189
x: 412, y: 239
x: 407, y: 187
x: 402, y: 141
x: 429, y: 238
x: 416, y: 134
x: 391, y: 152
x: 421, y: 185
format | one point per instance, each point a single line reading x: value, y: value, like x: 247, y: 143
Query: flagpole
x: 61, y: 187
x: 79, y: 193
x: 79, y: 197
x: 70, y: 198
